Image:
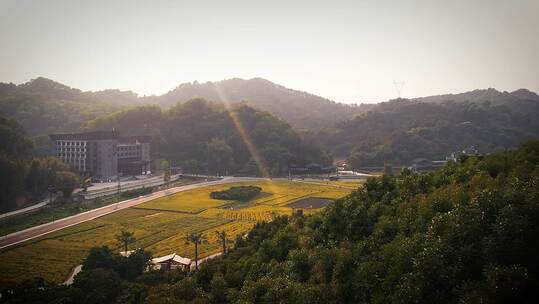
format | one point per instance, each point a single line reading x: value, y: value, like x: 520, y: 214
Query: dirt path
x: 203, y: 260
x: 72, y: 275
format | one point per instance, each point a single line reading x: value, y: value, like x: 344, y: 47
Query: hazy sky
x: 348, y: 51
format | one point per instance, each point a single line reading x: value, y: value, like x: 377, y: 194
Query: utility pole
x: 166, y: 174
x: 289, y: 173
x: 51, y: 189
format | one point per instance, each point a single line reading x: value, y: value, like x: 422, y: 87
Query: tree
x: 222, y: 237
x: 355, y: 159
x: 66, y: 181
x: 99, y: 257
x: 195, y: 238
x: 218, y: 290
x: 191, y: 166
x: 13, y: 139
x: 301, y: 266
x: 237, y: 193
x: 35, y: 178
x: 165, y: 165
x: 12, y: 181
x: 98, y: 285
x: 388, y: 169
x: 218, y: 156
x: 132, y: 266
x: 125, y: 237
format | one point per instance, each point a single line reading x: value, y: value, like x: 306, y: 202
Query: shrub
x: 238, y: 193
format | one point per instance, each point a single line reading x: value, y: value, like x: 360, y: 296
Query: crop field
x: 193, y: 201
x: 159, y: 226
x: 310, y: 203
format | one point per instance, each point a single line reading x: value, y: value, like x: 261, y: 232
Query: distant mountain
x: 26, y: 102
x: 47, y: 89
x: 43, y: 106
x: 397, y: 131
x: 492, y: 96
x: 300, y: 109
x: 402, y: 130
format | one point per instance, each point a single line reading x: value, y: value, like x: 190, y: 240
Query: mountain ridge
x: 44, y: 105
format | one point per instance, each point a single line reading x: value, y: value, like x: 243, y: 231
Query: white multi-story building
x: 102, y: 154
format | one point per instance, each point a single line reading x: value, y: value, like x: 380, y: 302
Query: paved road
x: 34, y: 232
x: 103, y: 189
x: 37, y: 231
x: 25, y: 210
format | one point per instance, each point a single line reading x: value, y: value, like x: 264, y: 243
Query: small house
x: 171, y: 261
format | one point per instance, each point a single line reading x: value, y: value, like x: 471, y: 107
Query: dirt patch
x: 153, y: 214
x: 310, y: 203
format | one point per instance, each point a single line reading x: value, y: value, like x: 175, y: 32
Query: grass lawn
x: 159, y: 226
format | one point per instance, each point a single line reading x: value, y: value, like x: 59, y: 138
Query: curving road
x: 37, y: 231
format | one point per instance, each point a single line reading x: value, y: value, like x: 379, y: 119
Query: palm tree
x: 195, y: 238
x: 222, y: 236
x: 125, y: 237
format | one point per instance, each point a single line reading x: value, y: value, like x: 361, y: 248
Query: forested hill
x: 300, y: 109
x: 400, y: 131
x: 490, y: 96
x: 202, y: 136
x: 43, y: 106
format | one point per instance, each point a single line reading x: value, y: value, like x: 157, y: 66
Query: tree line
x: 26, y: 178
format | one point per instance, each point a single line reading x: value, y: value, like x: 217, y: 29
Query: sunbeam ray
x: 246, y: 138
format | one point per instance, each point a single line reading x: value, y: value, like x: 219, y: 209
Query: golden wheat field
x: 159, y: 226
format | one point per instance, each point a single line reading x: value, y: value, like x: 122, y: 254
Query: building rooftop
x: 85, y: 136
x: 131, y: 139
x: 171, y: 258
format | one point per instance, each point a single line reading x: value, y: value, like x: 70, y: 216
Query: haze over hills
x: 396, y: 131
x: 402, y: 130
x: 300, y: 109
x: 490, y: 95
x: 43, y: 106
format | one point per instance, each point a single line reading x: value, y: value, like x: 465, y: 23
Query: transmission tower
x: 399, y: 85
